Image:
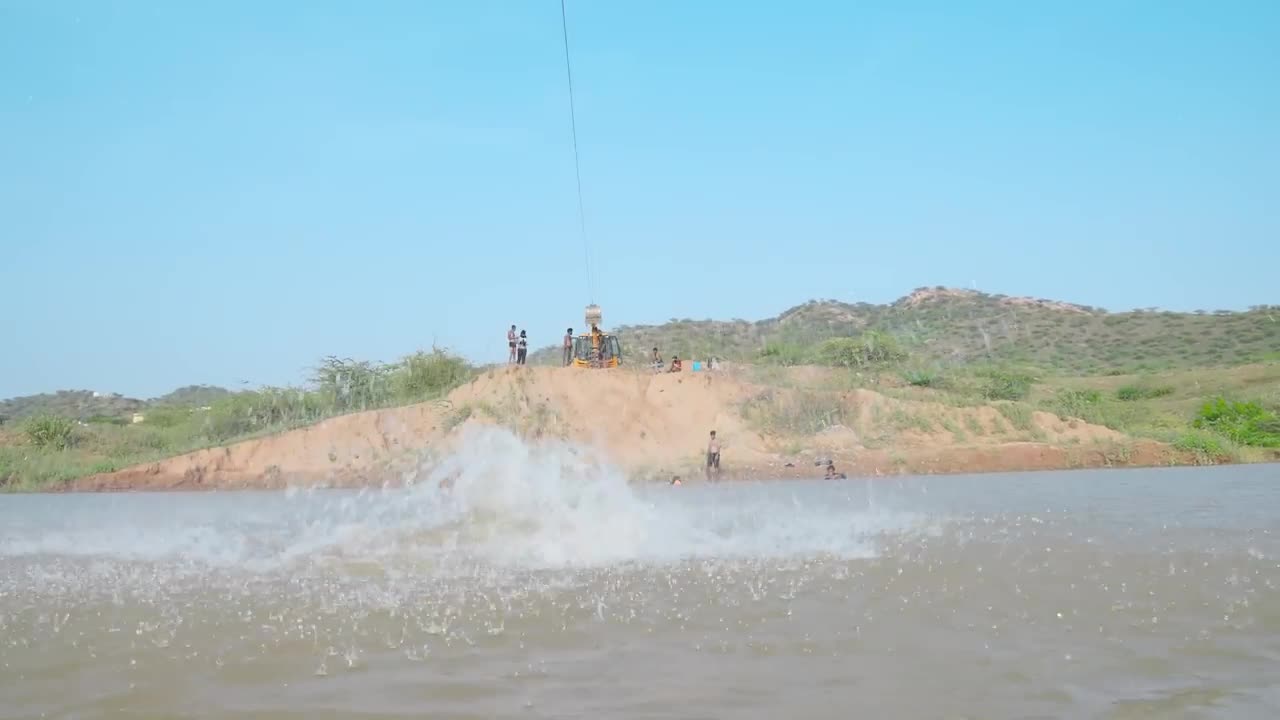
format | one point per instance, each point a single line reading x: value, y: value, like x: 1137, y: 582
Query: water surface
x: 543, y: 586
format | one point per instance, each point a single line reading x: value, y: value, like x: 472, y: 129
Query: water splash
x: 497, y: 501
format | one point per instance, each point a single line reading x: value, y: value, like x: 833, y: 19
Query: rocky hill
x: 956, y: 326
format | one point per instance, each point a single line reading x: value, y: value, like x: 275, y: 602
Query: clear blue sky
x: 217, y: 192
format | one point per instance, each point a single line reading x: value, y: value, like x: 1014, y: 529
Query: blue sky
x: 218, y: 192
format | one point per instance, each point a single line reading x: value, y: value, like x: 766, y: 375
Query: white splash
x: 505, y: 503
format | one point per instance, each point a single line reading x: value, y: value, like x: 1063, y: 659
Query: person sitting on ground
x: 676, y: 366
x: 831, y: 472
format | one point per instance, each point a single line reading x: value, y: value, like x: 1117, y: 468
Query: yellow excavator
x: 596, y: 348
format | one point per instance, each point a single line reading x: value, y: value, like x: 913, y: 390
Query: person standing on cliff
x: 568, y: 346
x: 713, y: 456
x: 522, y: 348
x: 511, y: 345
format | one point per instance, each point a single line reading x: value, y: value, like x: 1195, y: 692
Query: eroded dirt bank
x: 653, y: 426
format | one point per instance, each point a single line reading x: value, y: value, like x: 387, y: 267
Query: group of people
x: 677, y: 365
x: 656, y: 362
x: 517, y: 346
x: 599, y: 348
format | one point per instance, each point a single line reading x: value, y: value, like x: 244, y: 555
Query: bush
x: 786, y: 354
x: 50, y: 431
x: 267, y: 409
x: 351, y: 385
x: 427, y: 375
x: 922, y: 377
x: 1245, y: 423
x: 1199, y: 442
x: 873, y: 347
x: 166, y: 417
x: 1130, y: 393
x: 1076, y: 403
x: 1203, y: 445
x: 1006, y: 385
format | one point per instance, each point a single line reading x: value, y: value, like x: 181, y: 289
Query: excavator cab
x: 610, y: 351
x: 585, y: 345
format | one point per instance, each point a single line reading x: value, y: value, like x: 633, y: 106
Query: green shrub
x: 350, y: 385
x: 166, y: 417
x: 871, y: 348
x: 786, y: 354
x: 1076, y: 403
x: 922, y: 377
x: 50, y: 431
x: 427, y: 375
x: 248, y: 413
x: 1245, y: 423
x: 1130, y: 393
x: 1201, y: 443
x: 1006, y: 385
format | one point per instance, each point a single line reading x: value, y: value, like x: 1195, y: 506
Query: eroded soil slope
x: 653, y: 426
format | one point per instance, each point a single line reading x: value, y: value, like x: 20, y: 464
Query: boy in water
x: 713, y: 456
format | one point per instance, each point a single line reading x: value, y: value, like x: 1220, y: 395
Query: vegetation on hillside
x: 90, y: 406
x: 73, y: 404
x: 50, y: 447
x: 961, y: 327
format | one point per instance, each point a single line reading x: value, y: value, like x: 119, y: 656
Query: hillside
x: 955, y: 327
x: 87, y: 405
x: 653, y: 427
x: 74, y: 404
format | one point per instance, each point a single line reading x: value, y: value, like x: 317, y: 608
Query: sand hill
x: 654, y: 426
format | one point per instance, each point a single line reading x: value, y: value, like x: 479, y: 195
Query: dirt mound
x: 652, y: 426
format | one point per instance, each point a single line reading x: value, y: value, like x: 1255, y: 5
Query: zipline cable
x: 577, y: 171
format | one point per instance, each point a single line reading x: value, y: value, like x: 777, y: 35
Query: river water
x: 541, y: 585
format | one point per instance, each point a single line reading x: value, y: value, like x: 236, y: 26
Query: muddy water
x: 542, y: 586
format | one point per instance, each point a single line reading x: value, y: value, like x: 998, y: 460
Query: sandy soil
x: 653, y: 426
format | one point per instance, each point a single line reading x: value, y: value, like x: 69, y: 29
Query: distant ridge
x: 955, y: 325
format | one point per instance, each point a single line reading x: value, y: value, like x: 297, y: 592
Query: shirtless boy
x: 713, y: 456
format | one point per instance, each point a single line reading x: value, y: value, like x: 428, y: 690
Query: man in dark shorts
x: 511, y: 344
x: 713, y: 456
